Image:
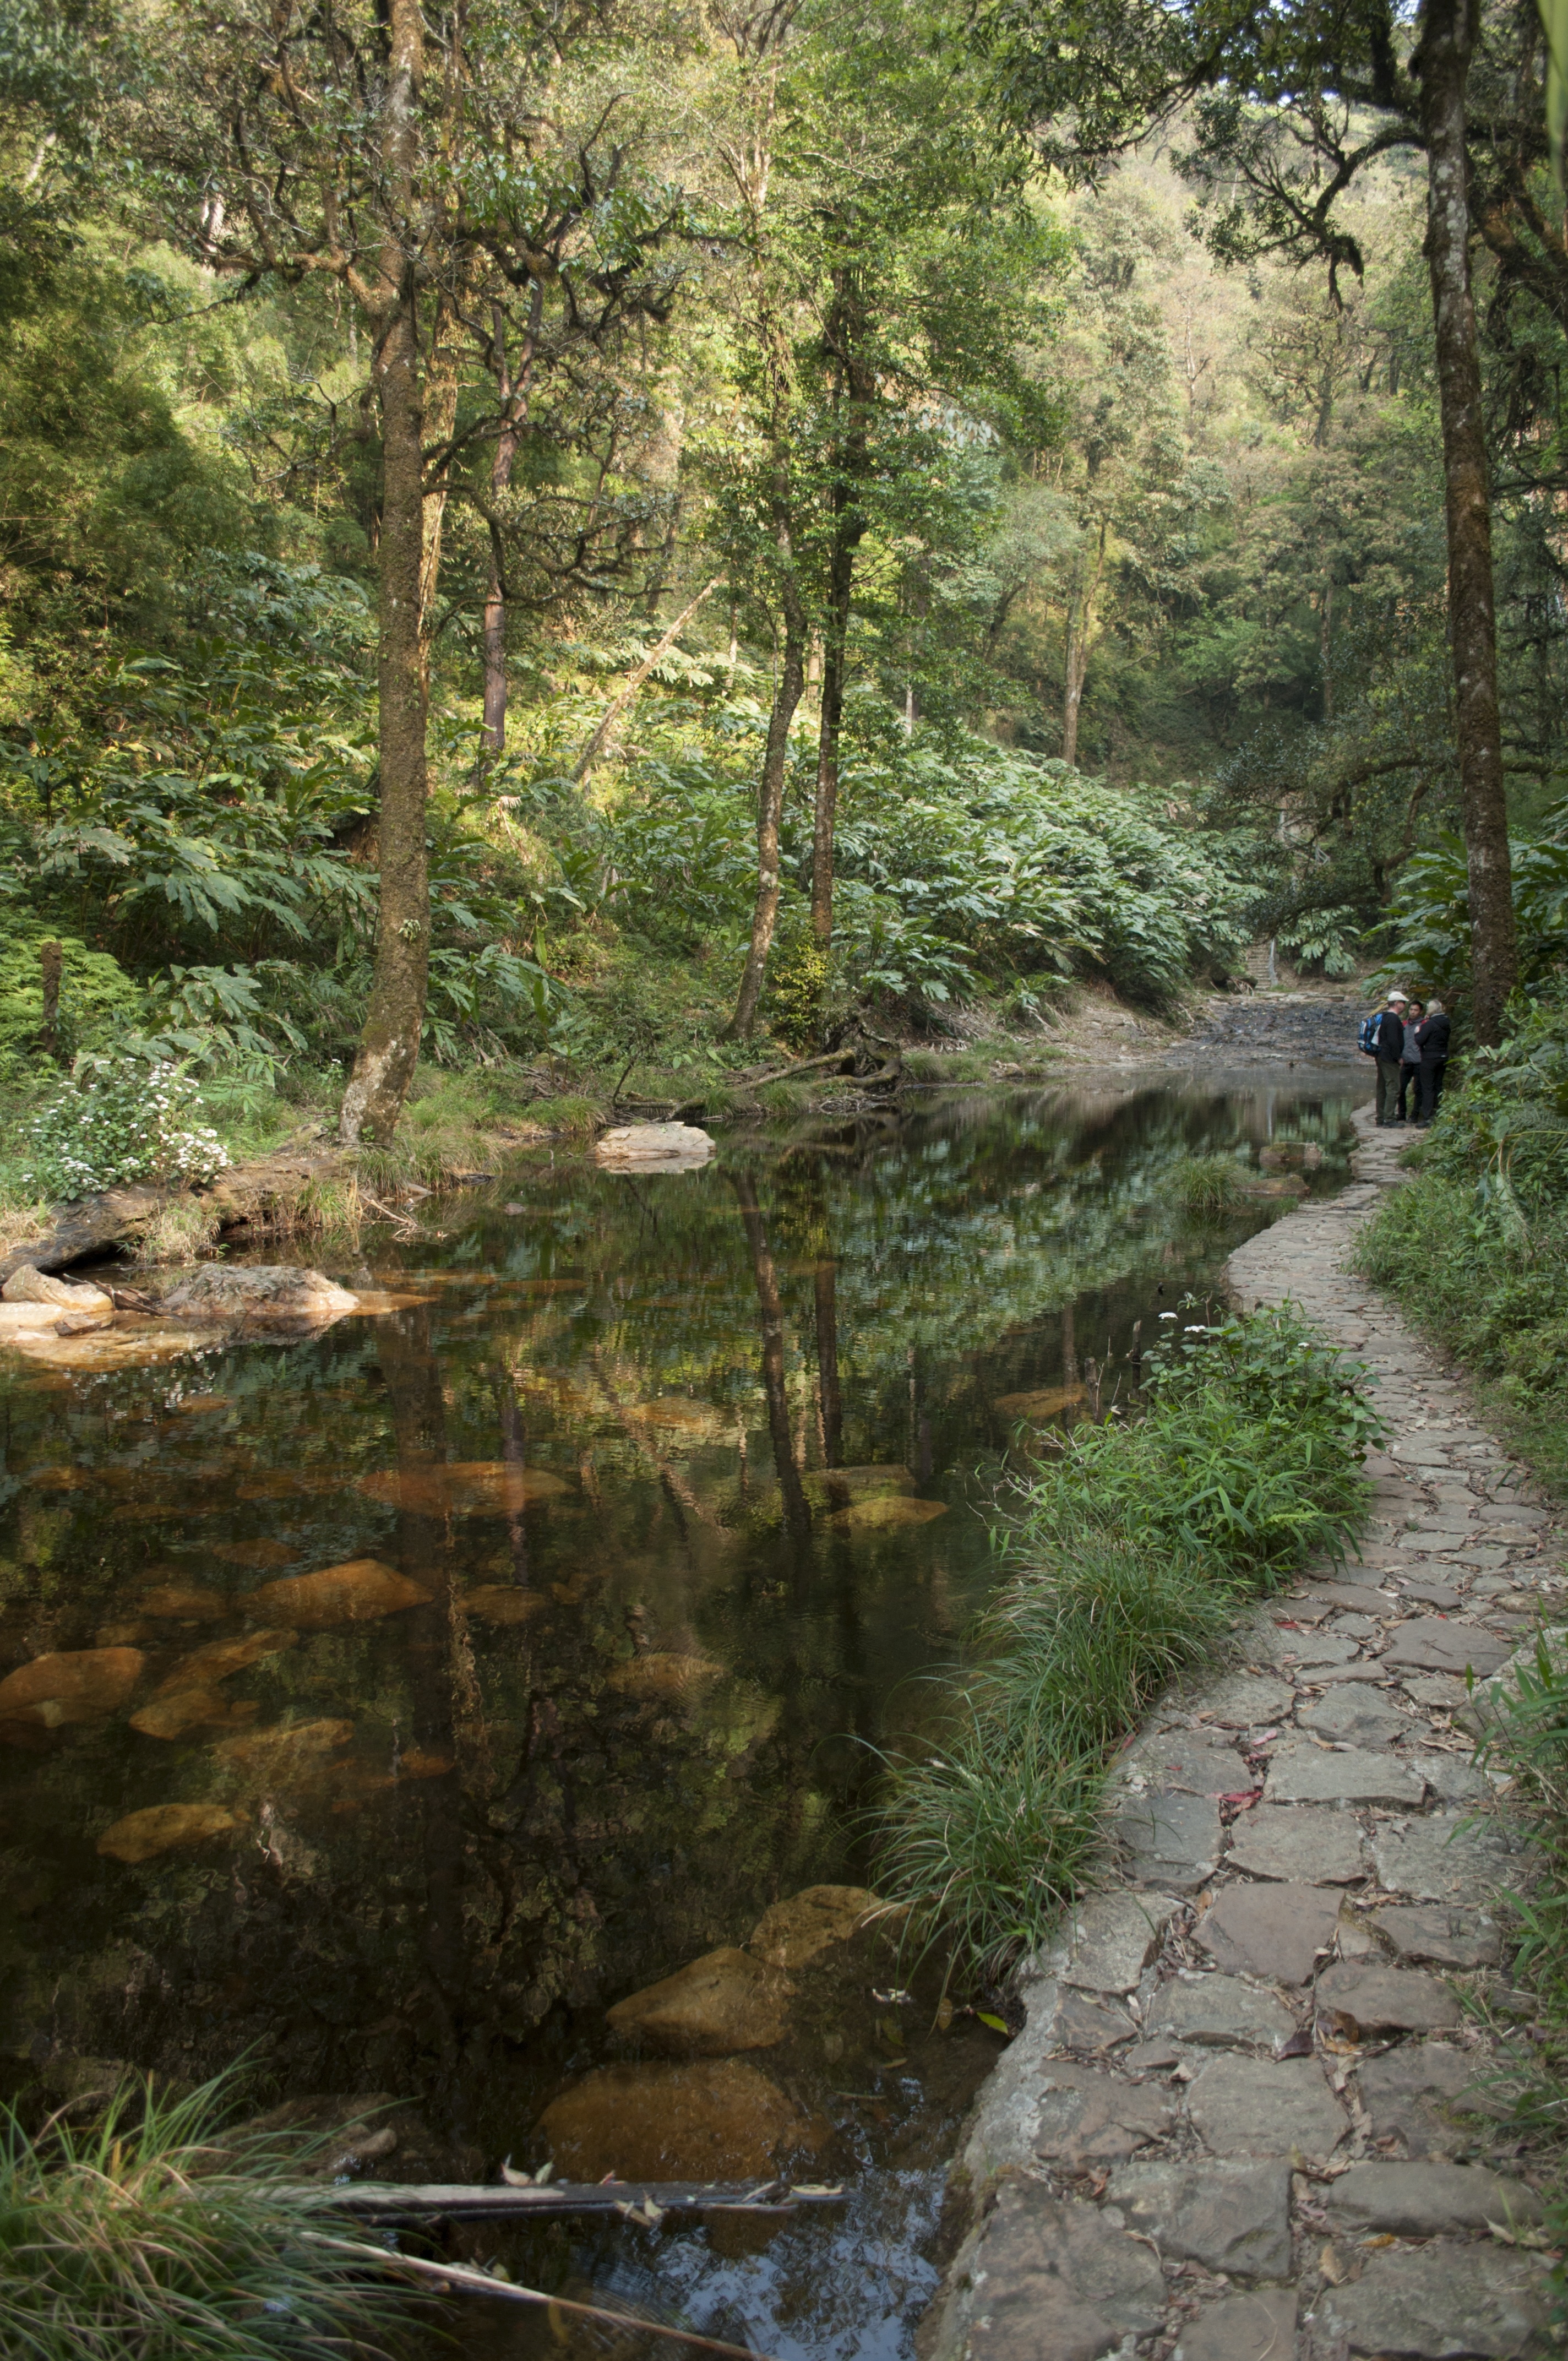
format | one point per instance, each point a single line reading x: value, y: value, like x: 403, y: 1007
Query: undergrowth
x: 1204, y: 1186
x: 1132, y: 1555
x: 158, y: 2232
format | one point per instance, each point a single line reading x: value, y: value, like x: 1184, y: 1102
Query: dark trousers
x: 1432, y: 1072
x: 1388, y: 1089
x: 1411, y: 1080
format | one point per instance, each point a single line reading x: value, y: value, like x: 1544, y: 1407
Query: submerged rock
x: 221, y: 1657
x: 77, y: 1685
x: 256, y: 1555
x: 792, y: 1934
x: 462, y: 1488
x: 126, y: 1344
x: 267, y: 1292
x: 183, y: 1602
x: 358, y: 1591
x: 1045, y: 1402
x: 837, y: 1488
x: 719, y: 2120
x: 193, y: 1708
x: 878, y: 1515
x: 663, y: 1674
x: 142, y: 1836
x: 502, y: 1602
x: 285, y: 1753
x: 719, y: 2004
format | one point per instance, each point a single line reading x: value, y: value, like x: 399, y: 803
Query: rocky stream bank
x: 1253, y: 2112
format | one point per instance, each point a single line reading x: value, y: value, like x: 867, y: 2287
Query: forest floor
x: 1255, y: 2106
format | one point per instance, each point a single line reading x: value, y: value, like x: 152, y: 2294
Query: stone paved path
x: 1249, y: 2117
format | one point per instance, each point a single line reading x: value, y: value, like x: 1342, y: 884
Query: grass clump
x: 1131, y: 1555
x: 1204, y: 1186
x: 158, y: 2233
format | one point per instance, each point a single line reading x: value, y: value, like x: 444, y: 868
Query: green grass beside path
x: 1131, y: 1557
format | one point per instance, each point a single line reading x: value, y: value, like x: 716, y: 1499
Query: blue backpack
x: 1366, y: 1038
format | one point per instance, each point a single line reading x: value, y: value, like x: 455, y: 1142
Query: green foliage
x: 117, y: 1120
x: 1427, y: 932
x: 1132, y: 1552
x: 97, y: 996
x: 160, y: 2231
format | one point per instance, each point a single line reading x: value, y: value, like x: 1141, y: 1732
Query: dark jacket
x: 1431, y: 1038
x: 1391, y: 1036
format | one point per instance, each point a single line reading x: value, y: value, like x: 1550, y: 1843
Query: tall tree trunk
x: 829, y: 1395
x: 847, y: 528
x: 797, y: 1514
x: 1447, y: 42
x: 389, y: 1045
x: 513, y: 403
x: 435, y: 431
x: 1080, y: 626
x: 769, y: 809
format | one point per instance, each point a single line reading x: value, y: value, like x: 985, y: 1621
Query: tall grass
x: 158, y: 2234
x: 1131, y: 1554
x: 1204, y: 1186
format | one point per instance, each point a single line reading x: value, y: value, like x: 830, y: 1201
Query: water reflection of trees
x: 822, y: 1301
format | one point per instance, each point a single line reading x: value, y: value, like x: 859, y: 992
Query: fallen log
x: 386, y: 2201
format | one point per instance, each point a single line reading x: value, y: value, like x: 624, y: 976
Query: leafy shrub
x: 117, y: 1120
x: 1429, y: 929
x: 159, y: 2232
x: 1131, y: 1554
x: 94, y: 990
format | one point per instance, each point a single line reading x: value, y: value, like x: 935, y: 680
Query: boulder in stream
x: 361, y: 1590
x: 654, y: 1147
x: 142, y: 1836
x: 30, y: 1286
x: 74, y: 1684
x: 721, y: 2003
x: 718, y: 2120
x: 270, y: 1293
x: 792, y: 1934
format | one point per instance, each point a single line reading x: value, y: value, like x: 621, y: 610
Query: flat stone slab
x: 1220, y: 2011
x: 1257, y: 2106
x: 1301, y: 1772
x: 1427, y: 2201
x: 1448, y: 1857
x: 1305, y: 1650
x: 1058, y: 2278
x: 1231, y: 2217
x: 1431, y: 1935
x: 1088, y: 2027
x: 1446, y: 1691
x: 1199, y: 1762
x: 1114, y: 1937
x: 1359, y: 1598
x: 1432, y: 1645
x: 654, y: 1147
x: 1256, y: 2325
x: 1357, y: 1717
x: 1409, y: 2091
x: 1173, y: 1840
x: 1431, y: 1594
x: 1444, y: 2301
x: 1087, y: 2117
x: 1273, y: 1930
x: 1368, y: 1999
x: 1247, y: 1701
x: 1311, y: 1843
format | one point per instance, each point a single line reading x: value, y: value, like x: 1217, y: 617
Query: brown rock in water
x: 183, y: 1602
x: 30, y: 1286
x: 665, y: 1673
x: 284, y: 1753
x: 792, y: 1934
x: 875, y: 1515
x: 77, y: 1685
x: 721, y: 2003
x: 221, y: 1657
x: 716, y: 2121
x: 1045, y: 1402
x: 193, y: 1708
x: 502, y: 1602
x: 462, y: 1488
x: 835, y: 1487
x: 142, y: 1836
x: 266, y: 1292
x: 257, y: 1556
x: 358, y: 1591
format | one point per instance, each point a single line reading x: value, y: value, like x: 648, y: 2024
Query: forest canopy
x: 536, y: 538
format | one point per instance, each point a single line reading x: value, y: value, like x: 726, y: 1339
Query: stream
x: 459, y: 1671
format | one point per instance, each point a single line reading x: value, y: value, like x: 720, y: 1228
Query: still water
x: 471, y: 1666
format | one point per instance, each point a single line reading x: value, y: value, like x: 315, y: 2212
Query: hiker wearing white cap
x: 1389, y: 1049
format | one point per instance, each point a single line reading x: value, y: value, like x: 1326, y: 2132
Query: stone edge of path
x: 1234, y: 2126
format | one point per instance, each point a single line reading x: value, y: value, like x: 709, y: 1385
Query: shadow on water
x: 452, y: 1675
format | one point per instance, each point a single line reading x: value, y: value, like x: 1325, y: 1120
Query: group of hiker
x: 1410, y: 1045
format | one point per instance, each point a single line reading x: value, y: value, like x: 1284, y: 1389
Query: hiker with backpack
x: 1382, y: 1036
x: 1431, y: 1039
